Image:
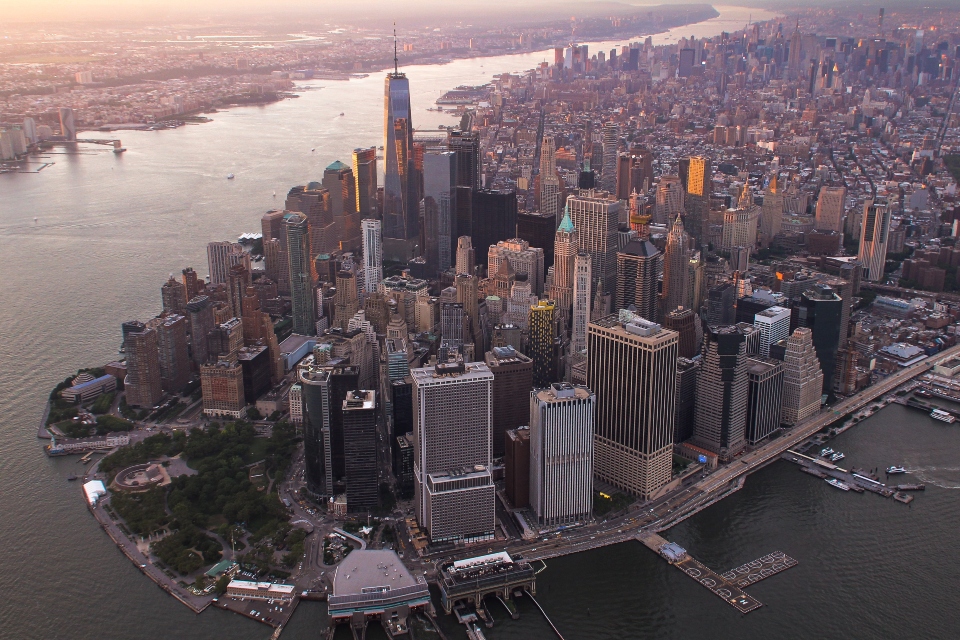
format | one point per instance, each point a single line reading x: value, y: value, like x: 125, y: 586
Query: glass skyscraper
x: 400, y: 200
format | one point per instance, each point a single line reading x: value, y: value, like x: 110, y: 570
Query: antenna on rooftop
x: 396, y: 68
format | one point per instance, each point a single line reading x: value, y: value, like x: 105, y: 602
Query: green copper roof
x: 337, y: 166
x: 566, y: 225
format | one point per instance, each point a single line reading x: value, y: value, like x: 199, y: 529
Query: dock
x: 729, y: 585
x: 858, y: 480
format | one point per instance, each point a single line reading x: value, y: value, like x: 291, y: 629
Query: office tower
x: 313, y: 201
x: 802, y: 378
x: 565, y: 251
x: 466, y: 147
x: 740, y: 224
x: 873, y: 238
x: 191, y: 283
x: 438, y: 209
x: 339, y: 181
x: 631, y: 367
x: 68, y: 129
x: 549, y: 181
x: 466, y: 257
x: 512, y: 381
x: 275, y: 248
x: 494, y: 218
x: 697, y: 200
x: 454, y: 497
x: 830, y: 207
x: 542, y: 336
x: 581, y: 302
x: 219, y: 259
x: 669, y: 200
x: 345, y: 299
x: 686, y: 390
x: 638, y: 273
x: 172, y: 351
x: 143, y: 382
x: 221, y: 383
x: 720, y: 418
x: 794, y: 59
x: 365, y: 175
x: 467, y: 296
x: 820, y: 310
x: 608, y: 175
x: 561, y: 453
x: 225, y: 339
x: 400, y: 194
x: 173, y: 294
x: 764, y: 398
x: 774, y: 325
x: 403, y: 465
x: 451, y: 325
x: 238, y: 279
x: 720, y: 304
x: 771, y: 214
x: 314, y: 381
x: 538, y: 229
x: 371, y: 230
x: 301, y: 273
x: 596, y: 217
x: 200, y: 312
x: 516, y: 467
x: 332, y: 386
x: 684, y: 322
x: 676, y: 285
x: 464, y: 211
x: 685, y: 68
x: 523, y: 258
x: 360, y: 451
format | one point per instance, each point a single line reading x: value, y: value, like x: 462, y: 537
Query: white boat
x: 894, y: 470
x: 230, y: 176
x: 837, y: 457
x: 942, y: 416
x: 833, y: 482
x: 826, y: 452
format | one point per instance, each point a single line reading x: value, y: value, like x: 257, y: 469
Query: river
x: 110, y: 228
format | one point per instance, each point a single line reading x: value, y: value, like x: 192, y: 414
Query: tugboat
x: 895, y: 470
x: 72, y: 477
x: 833, y: 482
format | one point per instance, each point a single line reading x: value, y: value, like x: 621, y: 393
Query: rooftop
x: 370, y: 570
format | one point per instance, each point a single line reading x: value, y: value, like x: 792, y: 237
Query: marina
x: 856, y: 480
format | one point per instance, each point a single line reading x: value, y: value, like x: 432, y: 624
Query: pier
x: 728, y: 586
x: 857, y: 480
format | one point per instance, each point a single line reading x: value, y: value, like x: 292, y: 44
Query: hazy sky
x: 186, y: 10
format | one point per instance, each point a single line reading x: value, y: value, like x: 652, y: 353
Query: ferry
x: 895, y: 470
x: 833, y: 482
x: 942, y: 416
x: 837, y: 457
x: 826, y: 452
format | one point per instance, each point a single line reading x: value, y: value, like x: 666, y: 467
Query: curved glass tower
x: 399, y: 216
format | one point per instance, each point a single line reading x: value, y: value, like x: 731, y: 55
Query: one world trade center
x: 400, y: 206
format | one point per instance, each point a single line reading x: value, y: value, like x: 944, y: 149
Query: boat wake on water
x: 942, y: 477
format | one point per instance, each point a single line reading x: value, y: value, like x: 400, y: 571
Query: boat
x: 230, y: 176
x: 895, y: 470
x: 341, y: 113
x: 942, y: 416
x: 833, y: 482
x: 72, y: 477
x: 826, y: 452
x: 837, y: 457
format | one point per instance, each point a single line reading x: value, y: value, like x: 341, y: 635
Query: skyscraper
x: 830, y: 208
x: 516, y: 466
x: 596, y: 215
x: 608, y: 176
x: 687, y: 372
x: 740, y: 224
x: 581, y: 302
x: 720, y: 421
x: 631, y: 367
x: 561, y: 453
x: 512, y: 382
x: 542, y: 336
x: 143, y: 382
x: 172, y: 351
x: 339, y: 181
x: 802, y: 378
x: 372, y: 254
x: 454, y: 497
x: 221, y: 383
x: 200, y: 312
x: 523, y: 258
x: 466, y: 146
x: 494, y: 218
x: 820, y: 310
x: 549, y: 182
x: 676, y: 287
x: 669, y: 200
x: 466, y: 256
x: 774, y: 325
x: 565, y: 252
x: 302, y: 298
x: 771, y: 215
x: 438, y: 209
x: 873, y: 238
x: 765, y: 397
x: 221, y: 256
x: 697, y: 200
x: 684, y: 322
x: 400, y: 197
x: 360, y: 451
x: 365, y: 175
x: 638, y: 272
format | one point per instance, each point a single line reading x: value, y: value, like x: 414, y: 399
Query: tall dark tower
x: 400, y: 197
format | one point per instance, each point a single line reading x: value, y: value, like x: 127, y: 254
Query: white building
x: 372, y: 238
x: 774, y: 326
x: 561, y: 453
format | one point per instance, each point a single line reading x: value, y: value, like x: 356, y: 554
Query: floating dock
x: 858, y: 480
x: 728, y: 586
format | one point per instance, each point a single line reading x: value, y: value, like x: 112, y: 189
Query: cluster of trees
x: 188, y: 550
